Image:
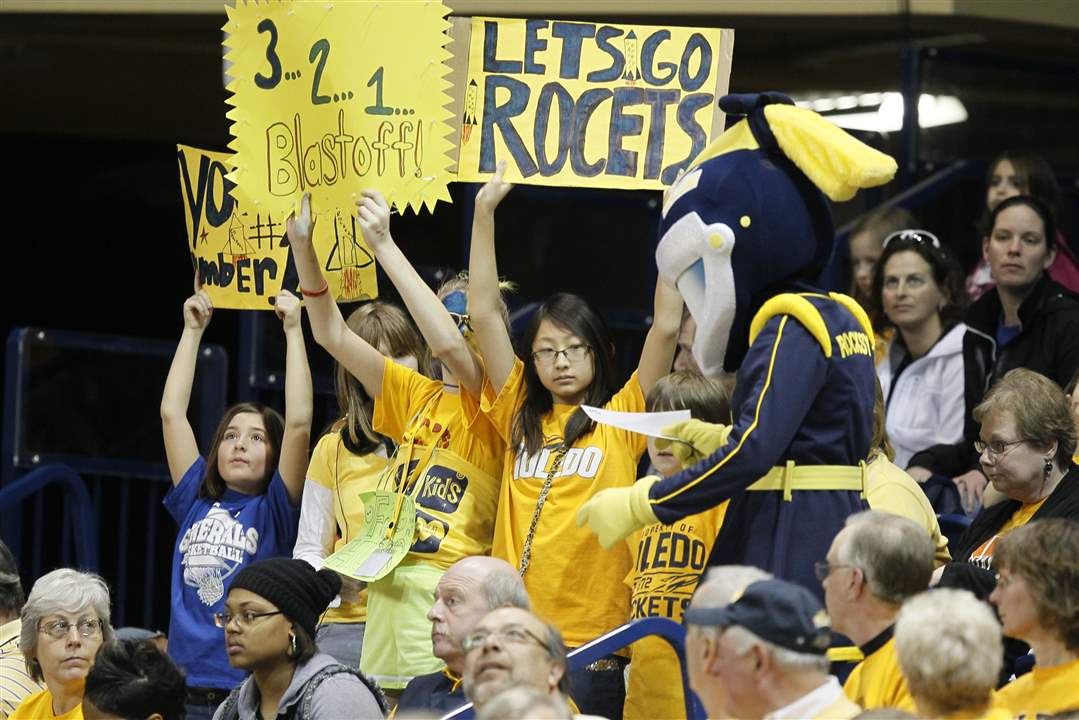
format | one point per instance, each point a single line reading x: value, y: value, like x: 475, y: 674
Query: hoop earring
x: 1048, y: 467
x: 291, y: 644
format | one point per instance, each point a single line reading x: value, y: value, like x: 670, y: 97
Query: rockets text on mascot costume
x: 744, y: 233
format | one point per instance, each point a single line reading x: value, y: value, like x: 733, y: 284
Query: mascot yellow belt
x: 745, y: 232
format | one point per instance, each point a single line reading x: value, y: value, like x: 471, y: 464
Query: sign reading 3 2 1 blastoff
x: 589, y: 104
x: 334, y: 97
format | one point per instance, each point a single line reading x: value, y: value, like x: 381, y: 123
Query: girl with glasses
x: 448, y: 455
x: 64, y: 622
x: 917, y: 290
x: 556, y: 457
x: 239, y: 504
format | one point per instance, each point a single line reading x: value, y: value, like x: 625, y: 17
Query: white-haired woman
x: 64, y: 622
x: 950, y: 651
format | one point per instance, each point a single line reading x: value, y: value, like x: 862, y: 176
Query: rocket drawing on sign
x: 633, y: 64
x: 346, y: 252
x: 237, y: 243
x: 468, y: 121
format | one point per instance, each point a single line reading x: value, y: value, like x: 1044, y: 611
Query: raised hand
x: 300, y: 229
x: 287, y: 307
x: 492, y: 192
x: 197, y: 310
x: 373, y: 213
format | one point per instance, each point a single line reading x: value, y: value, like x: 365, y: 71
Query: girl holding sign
x: 348, y: 460
x: 238, y: 505
x: 556, y: 457
x: 449, y: 456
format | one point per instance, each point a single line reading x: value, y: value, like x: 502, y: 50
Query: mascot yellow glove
x: 615, y: 513
x: 699, y: 440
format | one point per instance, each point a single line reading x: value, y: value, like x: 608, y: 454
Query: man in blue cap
x: 767, y: 648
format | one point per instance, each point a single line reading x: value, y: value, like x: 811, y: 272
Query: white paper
x: 645, y: 423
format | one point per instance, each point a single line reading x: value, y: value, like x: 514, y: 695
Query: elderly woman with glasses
x: 64, y: 622
x: 1026, y: 321
x: 918, y: 288
x: 1026, y: 444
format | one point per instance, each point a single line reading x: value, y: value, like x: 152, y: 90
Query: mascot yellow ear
x: 836, y: 162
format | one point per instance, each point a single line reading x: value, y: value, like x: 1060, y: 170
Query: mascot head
x: 749, y: 218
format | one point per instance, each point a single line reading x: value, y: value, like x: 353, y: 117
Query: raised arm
x: 299, y: 403
x: 181, y: 449
x: 484, y: 301
x: 363, y: 361
x: 438, y: 328
x: 657, y: 355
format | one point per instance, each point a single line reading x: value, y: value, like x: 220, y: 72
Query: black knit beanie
x: 293, y: 586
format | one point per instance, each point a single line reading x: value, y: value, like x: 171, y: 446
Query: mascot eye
x: 721, y: 237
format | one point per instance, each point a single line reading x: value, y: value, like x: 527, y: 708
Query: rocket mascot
x: 745, y: 231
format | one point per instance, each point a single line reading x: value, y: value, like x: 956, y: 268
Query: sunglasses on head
x: 916, y: 236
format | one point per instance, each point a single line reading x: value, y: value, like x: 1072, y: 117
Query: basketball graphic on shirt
x: 214, y: 548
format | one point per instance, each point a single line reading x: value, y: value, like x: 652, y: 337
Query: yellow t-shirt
x: 39, y: 707
x: 454, y: 458
x: 571, y: 580
x: 890, y: 489
x: 1018, y: 519
x: 667, y: 565
x: 1042, y: 691
x: 345, y: 475
x: 877, y: 681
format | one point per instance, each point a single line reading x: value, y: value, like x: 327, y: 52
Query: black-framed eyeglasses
x: 916, y: 236
x: 243, y: 619
x: 996, y: 448
x: 573, y: 353
x: 59, y: 629
x: 513, y: 634
x: 822, y: 568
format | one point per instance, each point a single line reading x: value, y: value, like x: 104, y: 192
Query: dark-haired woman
x: 1023, y: 173
x: 917, y: 287
x: 240, y: 504
x: 1026, y: 321
x: 269, y: 622
x: 556, y: 458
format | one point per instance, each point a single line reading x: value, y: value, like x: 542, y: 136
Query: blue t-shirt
x: 214, y: 542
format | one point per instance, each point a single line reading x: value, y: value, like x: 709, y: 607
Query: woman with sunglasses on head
x: 916, y: 286
x: 269, y: 622
x: 64, y: 622
x: 1026, y: 321
x: 449, y: 457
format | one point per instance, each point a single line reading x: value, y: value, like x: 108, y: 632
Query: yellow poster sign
x: 589, y: 104
x: 335, y: 97
x: 241, y: 251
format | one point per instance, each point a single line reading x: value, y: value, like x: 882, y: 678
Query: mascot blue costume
x: 745, y: 231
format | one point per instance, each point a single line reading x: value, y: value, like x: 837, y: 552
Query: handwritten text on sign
x: 241, y: 253
x: 587, y: 104
x: 334, y: 97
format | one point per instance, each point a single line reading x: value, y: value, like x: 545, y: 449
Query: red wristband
x: 321, y: 291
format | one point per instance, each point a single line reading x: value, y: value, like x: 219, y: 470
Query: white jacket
x: 926, y: 406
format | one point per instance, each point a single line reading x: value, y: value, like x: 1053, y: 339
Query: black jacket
x: 1048, y: 344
